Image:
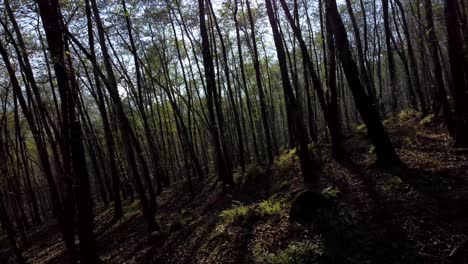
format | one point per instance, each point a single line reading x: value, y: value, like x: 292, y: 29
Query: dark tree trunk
x: 224, y: 173
x: 126, y: 131
x: 8, y: 227
x: 460, y: 87
x: 110, y: 143
x: 309, y: 164
x: 361, y: 57
x: 66, y: 226
x: 330, y: 108
x: 244, y: 80
x: 412, y: 59
x: 261, y: 92
x: 390, y: 58
x: 386, y: 155
x: 439, y: 94
x: 74, y: 157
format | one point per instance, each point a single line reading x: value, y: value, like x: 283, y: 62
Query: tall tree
x: 308, y: 162
x: 126, y: 132
x: 440, y: 102
x: 390, y: 58
x: 224, y: 171
x: 386, y: 155
x: 110, y: 142
x: 73, y: 148
x: 258, y: 78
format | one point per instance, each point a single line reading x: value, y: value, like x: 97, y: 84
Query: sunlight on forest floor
x: 387, y: 216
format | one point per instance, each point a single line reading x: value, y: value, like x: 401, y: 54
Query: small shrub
x: 269, y: 207
x: 295, y: 253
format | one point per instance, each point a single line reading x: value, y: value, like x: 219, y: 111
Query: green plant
x: 426, y: 120
x: 295, y: 253
x: 361, y: 127
x: 269, y: 207
x: 236, y: 213
x: 407, y: 114
x: 286, y: 163
x: 331, y: 192
x: 371, y: 149
x: 393, y: 184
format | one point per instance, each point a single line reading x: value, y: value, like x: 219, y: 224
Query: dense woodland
x: 233, y: 131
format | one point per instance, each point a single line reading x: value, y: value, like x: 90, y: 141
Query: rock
x: 307, y: 206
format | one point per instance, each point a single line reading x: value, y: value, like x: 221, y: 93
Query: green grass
x: 237, y: 212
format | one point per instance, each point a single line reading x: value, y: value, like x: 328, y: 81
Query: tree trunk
x: 439, y: 94
x: 309, y: 164
x: 386, y: 155
x: 74, y: 158
x: 460, y: 87
x: 224, y: 173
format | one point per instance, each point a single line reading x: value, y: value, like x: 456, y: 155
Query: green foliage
x: 371, y: 149
x: 408, y: 114
x: 361, y: 127
x: 393, y: 184
x: 426, y: 120
x: 134, y: 207
x: 235, y: 214
x: 241, y: 214
x: 269, y: 207
x: 295, y: 253
x: 286, y: 162
x: 331, y: 192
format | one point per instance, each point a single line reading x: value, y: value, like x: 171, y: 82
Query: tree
x: 73, y: 149
x: 215, y: 117
x: 386, y: 155
x: 440, y: 102
x: 309, y: 164
x: 460, y: 87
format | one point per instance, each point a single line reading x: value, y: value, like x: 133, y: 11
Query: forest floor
x: 417, y: 214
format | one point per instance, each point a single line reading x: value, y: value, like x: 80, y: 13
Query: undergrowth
x: 294, y: 253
